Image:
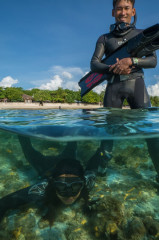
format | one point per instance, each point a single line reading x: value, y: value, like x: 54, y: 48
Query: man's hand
x: 121, y: 67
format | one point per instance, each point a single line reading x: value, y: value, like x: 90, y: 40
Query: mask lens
x: 122, y: 26
x: 67, y: 189
x: 76, y: 187
x: 60, y: 186
x: 112, y: 27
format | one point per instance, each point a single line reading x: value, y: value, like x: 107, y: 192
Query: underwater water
x: 120, y: 146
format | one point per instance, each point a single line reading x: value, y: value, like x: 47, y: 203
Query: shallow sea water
x: 126, y: 193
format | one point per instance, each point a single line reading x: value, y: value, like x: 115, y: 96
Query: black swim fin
x: 143, y: 39
x: 148, y: 49
x: 91, y: 80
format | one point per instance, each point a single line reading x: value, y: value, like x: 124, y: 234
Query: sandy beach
x: 22, y: 105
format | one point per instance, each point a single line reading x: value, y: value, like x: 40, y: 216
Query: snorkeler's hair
x: 68, y: 166
x: 115, y: 2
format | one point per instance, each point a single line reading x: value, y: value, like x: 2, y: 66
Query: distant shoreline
x: 23, y: 105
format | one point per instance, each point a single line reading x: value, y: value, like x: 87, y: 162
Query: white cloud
x: 99, y: 88
x: 64, y: 77
x: 72, y: 85
x: 156, y: 77
x: 67, y: 75
x: 85, y: 73
x: 8, y: 81
x: 53, y: 84
x: 153, y: 90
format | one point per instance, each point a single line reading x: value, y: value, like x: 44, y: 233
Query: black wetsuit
x: 30, y: 195
x: 130, y: 87
x: 41, y: 163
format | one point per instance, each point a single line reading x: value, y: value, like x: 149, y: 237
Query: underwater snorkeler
x: 127, y: 75
x: 66, y: 183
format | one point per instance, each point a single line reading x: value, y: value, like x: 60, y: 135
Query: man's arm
x: 96, y: 64
x: 149, y: 61
x: 126, y: 65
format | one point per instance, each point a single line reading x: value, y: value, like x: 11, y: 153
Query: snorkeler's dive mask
x: 120, y: 26
x: 68, y: 186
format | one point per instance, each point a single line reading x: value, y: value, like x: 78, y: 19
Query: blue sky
x: 48, y: 44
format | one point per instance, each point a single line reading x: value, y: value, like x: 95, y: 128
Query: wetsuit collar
x: 121, y: 28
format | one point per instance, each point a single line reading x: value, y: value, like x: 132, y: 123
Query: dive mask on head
x: 68, y: 186
x: 120, y: 27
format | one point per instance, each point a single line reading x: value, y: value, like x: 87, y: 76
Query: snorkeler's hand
x: 90, y: 206
x: 90, y: 177
x: 121, y: 67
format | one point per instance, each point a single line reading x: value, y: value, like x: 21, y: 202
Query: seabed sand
x: 22, y: 105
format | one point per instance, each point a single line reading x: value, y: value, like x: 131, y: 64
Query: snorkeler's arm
x: 22, y: 197
x: 30, y: 153
x: 14, y: 201
x: 96, y: 64
x: 40, y: 162
x: 45, y: 164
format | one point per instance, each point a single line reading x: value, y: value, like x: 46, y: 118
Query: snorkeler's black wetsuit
x: 131, y: 86
x: 22, y: 197
x: 45, y: 164
x: 41, y: 163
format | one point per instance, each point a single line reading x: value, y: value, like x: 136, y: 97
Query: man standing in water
x: 127, y: 80
x: 128, y: 77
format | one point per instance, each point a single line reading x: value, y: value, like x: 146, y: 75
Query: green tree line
x: 15, y: 94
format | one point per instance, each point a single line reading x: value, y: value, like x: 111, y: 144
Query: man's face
x: 123, y: 11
